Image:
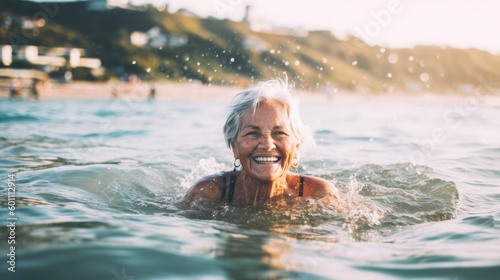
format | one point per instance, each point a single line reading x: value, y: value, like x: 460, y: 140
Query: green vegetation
x: 227, y: 52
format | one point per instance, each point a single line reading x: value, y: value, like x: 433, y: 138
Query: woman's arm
x: 207, y: 189
x: 318, y: 187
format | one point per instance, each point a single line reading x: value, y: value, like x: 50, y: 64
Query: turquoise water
x: 97, y: 183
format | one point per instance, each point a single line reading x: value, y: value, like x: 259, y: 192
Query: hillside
x: 230, y: 53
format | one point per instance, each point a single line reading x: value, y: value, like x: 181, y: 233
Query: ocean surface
x: 97, y: 184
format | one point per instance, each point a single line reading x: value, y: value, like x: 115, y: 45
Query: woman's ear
x: 297, y: 151
x: 297, y: 147
x: 236, y: 153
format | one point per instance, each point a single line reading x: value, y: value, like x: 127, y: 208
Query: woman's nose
x: 267, y: 142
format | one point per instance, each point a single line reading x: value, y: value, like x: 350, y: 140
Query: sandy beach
x: 136, y: 91
x: 197, y: 92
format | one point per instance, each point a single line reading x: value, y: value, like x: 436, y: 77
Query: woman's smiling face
x: 265, y: 143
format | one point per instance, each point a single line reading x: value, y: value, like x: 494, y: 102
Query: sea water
x: 97, y: 184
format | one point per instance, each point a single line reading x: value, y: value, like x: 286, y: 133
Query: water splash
x: 373, y: 200
x: 204, y: 168
x: 357, y: 213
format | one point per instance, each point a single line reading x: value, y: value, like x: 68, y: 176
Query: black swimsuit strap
x: 301, y: 187
x: 232, y: 185
x: 223, y: 192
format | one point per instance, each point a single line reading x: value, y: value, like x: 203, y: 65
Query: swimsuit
x: 232, y: 185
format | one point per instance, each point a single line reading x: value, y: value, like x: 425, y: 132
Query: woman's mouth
x: 266, y: 159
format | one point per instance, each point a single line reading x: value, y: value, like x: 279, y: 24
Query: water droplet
x: 411, y: 58
x: 232, y: 59
x: 297, y: 63
x: 382, y: 50
x: 389, y: 75
x: 393, y: 58
x: 354, y: 63
x: 134, y: 62
x: 424, y: 77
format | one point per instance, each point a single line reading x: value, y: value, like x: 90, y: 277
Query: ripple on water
x: 407, y: 193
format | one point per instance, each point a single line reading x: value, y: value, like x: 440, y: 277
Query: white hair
x: 272, y: 90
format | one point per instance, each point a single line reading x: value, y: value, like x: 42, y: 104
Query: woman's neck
x: 256, y: 191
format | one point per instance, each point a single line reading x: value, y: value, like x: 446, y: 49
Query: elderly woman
x: 265, y: 132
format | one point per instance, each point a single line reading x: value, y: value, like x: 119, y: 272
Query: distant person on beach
x: 152, y: 92
x: 35, y: 89
x: 265, y: 132
x: 114, y: 91
x: 14, y: 89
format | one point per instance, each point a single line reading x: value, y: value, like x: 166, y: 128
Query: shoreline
x: 196, y: 92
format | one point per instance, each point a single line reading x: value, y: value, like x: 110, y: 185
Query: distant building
x: 175, y: 41
x: 156, y: 39
x: 48, y: 56
x: 139, y: 39
x: 101, y: 5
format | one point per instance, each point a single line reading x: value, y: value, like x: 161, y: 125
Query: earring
x: 236, y: 163
x: 295, y: 164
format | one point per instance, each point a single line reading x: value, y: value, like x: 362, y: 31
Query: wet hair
x: 273, y: 90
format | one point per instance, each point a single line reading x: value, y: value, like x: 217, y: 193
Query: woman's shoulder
x: 206, y: 188
x: 317, y: 187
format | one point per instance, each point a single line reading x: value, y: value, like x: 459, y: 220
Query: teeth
x: 266, y: 159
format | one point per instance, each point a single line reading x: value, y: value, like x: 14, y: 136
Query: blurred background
x: 402, y: 97
x: 363, y: 46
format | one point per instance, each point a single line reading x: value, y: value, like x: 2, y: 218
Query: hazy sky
x: 392, y: 23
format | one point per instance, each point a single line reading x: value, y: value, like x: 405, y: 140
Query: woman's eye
x: 253, y: 133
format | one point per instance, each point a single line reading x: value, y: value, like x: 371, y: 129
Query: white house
x: 156, y: 39
x: 100, y: 5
